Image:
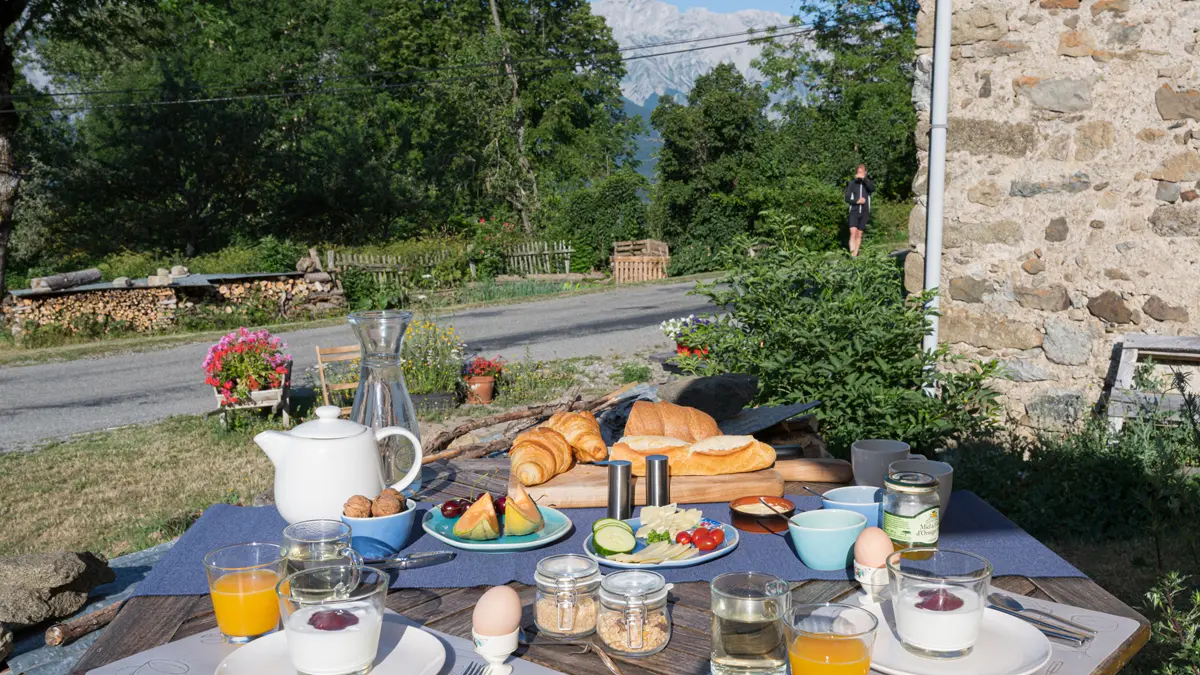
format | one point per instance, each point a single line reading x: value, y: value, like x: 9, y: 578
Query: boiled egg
x: 872, y: 548
x: 497, y: 613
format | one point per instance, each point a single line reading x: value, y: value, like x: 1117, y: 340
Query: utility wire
x: 378, y: 87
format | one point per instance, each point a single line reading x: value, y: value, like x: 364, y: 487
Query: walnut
x: 386, y: 506
x: 389, y: 492
x: 358, y: 506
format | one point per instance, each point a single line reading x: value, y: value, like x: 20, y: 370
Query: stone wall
x: 1072, y: 214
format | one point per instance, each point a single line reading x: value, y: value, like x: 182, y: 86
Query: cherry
x: 500, y: 504
x: 332, y: 619
x: 940, y: 600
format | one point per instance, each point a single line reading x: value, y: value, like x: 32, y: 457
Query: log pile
x: 144, y: 309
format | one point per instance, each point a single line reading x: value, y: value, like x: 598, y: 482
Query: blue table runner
x: 971, y: 525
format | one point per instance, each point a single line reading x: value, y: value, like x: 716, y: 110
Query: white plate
x: 403, y: 650
x: 1006, y: 646
x: 730, y: 543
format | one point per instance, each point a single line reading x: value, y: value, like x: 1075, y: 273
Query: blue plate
x: 441, y: 528
x: 730, y: 543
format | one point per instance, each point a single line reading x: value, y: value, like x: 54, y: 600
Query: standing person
x: 858, y: 197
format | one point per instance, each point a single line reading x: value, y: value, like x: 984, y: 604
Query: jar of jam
x: 566, y: 603
x: 911, y: 509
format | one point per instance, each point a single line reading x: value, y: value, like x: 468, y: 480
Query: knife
x: 1049, y: 630
x: 413, y: 560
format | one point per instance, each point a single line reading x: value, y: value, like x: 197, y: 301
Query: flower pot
x: 480, y: 389
x: 445, y: 400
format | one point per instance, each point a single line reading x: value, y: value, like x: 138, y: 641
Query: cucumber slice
x: 604, y: 522
x: 613, y: 540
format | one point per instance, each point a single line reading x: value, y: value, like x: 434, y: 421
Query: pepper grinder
x: 620, y: 489
x: 658, y: 481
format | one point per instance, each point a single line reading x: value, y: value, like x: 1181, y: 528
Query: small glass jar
x: 566, y: 604
x: 911, y: 509
x: 634, y: 619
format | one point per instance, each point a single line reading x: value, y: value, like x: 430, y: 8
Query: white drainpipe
x: 937, y: 160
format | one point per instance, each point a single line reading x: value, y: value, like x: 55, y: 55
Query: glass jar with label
x: 911, y: 509
x: 566, y: 604
x: 634, y: 619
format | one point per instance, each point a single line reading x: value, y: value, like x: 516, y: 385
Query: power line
x: 376, y: 87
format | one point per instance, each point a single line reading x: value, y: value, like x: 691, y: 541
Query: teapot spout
x: 272, y: 443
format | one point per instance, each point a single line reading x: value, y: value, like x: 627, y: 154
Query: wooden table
x: 147, y: 622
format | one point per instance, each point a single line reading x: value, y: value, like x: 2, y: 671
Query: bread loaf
x: 668, y: 419
x: 713, y: 456
x: 539, y: 455
x: 582, y: 431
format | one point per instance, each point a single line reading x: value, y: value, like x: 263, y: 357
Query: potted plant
x: 680, y: 331
x: 480, y: 375
x: 249, y: 369
x: 432, y: 357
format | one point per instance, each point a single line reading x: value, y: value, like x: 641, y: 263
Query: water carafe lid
x: 328, y: 426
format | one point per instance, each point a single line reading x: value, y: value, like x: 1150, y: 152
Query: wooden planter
x: 481, y: 390
x: 275, y: 399
x: 644, y: 260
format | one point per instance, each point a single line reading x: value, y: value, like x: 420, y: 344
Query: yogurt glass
x: 938, y: 598
x: 332, y: 618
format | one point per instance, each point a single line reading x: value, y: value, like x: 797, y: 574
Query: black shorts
x: 858, y: 218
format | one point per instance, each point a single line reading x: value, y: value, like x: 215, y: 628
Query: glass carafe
x: 382, y: 398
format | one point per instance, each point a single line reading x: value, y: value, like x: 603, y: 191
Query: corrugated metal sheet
x: 191, y: 280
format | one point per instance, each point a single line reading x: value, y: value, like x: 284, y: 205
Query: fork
x: 474, y: 669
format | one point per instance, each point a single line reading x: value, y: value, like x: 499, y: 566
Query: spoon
x: 769, y: 505
x: 1011, y: 603
x: 814, y: 492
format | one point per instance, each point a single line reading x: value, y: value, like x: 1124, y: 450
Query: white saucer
x: 403, y: 650
x: 1006, y: 646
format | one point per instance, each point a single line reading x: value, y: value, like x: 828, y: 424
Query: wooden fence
x: 643, y: 260
x: 536, y: 257
x: 539, y: 257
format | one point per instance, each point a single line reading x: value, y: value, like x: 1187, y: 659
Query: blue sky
x: 781, y: 6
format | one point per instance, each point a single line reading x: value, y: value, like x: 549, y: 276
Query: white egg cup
x: 874, y: 581
x: 496, y: 650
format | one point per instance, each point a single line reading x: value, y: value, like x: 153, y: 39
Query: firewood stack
x: 144, y: 309
x: 325, y: 294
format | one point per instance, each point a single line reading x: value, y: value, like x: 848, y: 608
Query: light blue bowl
x: 384, y: 536
x: 825, y: 539
x: 862, y: 499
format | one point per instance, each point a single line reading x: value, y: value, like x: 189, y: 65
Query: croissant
x: 668, y: 419
x: 539, y: 455
x: 582, y: 431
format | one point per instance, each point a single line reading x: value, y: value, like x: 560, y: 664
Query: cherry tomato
x: 704, y: 542
x: 683, y: 538
x: 699, y: 531
x: 500, y: 504
x: 718, y: 535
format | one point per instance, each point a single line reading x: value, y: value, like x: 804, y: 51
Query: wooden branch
x: 472, y: 450
x: 70, y: 631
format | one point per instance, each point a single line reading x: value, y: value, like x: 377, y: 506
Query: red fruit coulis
x: 332, y: 620
x: 940, y: 600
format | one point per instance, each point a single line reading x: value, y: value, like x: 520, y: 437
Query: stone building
x: 1072, y: 210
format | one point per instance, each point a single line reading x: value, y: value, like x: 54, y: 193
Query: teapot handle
x: 415, y: 470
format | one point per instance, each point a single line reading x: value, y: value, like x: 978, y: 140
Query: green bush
x: 830, y: 328
x: 592, y: 218
x: 266, y: 255
x: 131, y: 264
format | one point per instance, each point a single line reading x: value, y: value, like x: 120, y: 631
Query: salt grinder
x: 620, y: 489
x: 658, y: 481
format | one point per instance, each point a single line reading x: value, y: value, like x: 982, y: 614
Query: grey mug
x: 943, y: 472
x: 871, y: 458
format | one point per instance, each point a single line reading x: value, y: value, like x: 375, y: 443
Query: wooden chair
x: 328, y: 355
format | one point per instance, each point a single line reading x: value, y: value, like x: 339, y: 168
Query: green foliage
x: 432, y: 358
x: 527, y: 382
x: 634, y: 372
x: 1175, y: 603
x: 817, y: 326
x: 593, y: 217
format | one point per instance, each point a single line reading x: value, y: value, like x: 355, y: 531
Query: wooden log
x: 57, y: 282
x: 69, y: 631
x: 318, y: 277
x: 472, y: 450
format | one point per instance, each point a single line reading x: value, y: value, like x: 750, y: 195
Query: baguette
x: 668, y: 419
x: 714, y: 456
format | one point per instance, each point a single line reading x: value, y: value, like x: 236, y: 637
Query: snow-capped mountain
x: 639, y: 22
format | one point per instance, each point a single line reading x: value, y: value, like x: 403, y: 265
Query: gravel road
x: 53, y: 400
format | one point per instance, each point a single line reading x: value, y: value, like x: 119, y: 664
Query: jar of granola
x: 634, y: 619
x: 566, y: 603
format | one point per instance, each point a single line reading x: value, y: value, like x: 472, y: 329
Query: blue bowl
x: 384, y: 536
x: 862, y: 499
x: 825, y: 539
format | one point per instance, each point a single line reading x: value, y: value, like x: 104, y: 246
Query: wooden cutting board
x: 586, y: 485
x: 825, y: 470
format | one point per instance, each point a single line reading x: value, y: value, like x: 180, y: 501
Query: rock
x: 1059, y: 148
x: 1056, y: 410
x: 1176, y: 220
x: 1076, y: 314
x: 914, y: 273
x: 986, y: 193
x: 979, y: 24
x: 1058, y: 4
x: 985, y: 84
x: 1076, y: 43
x: 1167, y: 192
x: 1058, y: 229
x: 1117, y: 275
x: 990, y: 50
x: 1189, y: 195
x: 42, y: 586
x: 1179, y: 167
x: 959, y: 324
x: 1065, y: 343
x: 1073, y: 184
x: 916, y: 225
x: 987, y: 137
x: 179, y: 271
x: 163, y: 272
x: 970, y: 289
x: 159, y: 280
x: 1114, y: 6
x: 1057, y: 95
x: 1072, y: 21
x: 1158, y: 309
x: 1052, y: 298
x: 122, y: 282
x: 1034, y: 266
x: 1177, y: 105
x: 1150, y: 135
x: 1124, y: 33
x: 1092, y: 138
x: 1096, y: 224
x: 1126, y: 246
x: 957, y: 235
x: 1110, y: 306
x: 722, y: 396
x: 1033, y: 19
x: 1020, y: 370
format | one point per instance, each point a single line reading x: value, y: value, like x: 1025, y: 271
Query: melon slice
x: 479, y: 522
x: 521, y: 514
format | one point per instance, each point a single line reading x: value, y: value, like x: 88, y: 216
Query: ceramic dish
x: 767, y: 522
x: 1006, y: 646
x: 557, y: 526
x: 403, y: 650
x: 730, y: 543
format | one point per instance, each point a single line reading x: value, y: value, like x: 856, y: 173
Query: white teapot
x: 323, y: 462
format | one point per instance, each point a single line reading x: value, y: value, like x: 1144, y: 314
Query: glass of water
x: 318, y: 543
x: 748, y: 632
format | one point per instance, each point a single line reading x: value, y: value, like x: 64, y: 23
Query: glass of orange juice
x: 830, y: 639
x: 241, y: 581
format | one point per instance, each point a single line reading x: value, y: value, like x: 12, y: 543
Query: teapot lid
x: 328, y: 425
